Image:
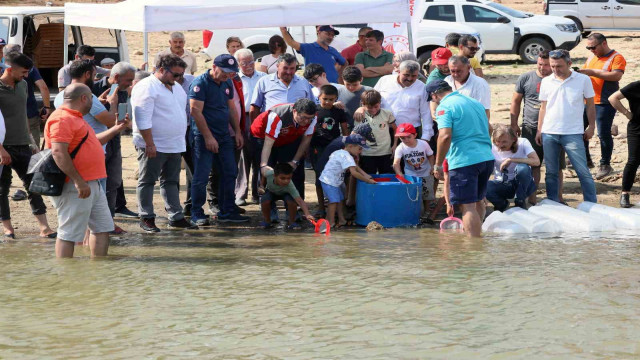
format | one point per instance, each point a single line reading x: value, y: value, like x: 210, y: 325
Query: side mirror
x: 503, y: 20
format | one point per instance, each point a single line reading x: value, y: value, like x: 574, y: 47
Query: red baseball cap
x: 440, y: 56
x: 405, y: 130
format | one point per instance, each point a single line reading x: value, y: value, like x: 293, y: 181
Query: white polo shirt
x: 475, y: 88
x: 162, y: 110
x: 565, y: 103
x: 408, y: 105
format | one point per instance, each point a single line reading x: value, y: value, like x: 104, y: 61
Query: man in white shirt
x: 563, y: 97
x: 406, y: 98
x: 464, y: 81
x: 159, y: 126
x: 249, y: 76
x: 176, y: 47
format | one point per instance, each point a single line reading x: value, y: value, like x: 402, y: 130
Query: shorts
x: 269, y: 196
x: 530, y: 134
x: 75, y: 214
x: 427, y: 188
x: 333, y: 193
x: 468, y: 184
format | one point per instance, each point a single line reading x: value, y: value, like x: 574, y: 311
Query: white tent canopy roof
x: 172, y: 15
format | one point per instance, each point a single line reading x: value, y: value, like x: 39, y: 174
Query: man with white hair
x: 466, y: 82
x: 120, y: 80
x: 406, y: 97
x: 249, y: 76
x: 176, y: 47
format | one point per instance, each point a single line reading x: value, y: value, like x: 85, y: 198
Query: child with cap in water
x: 418, y: 161
x: 332, y: 177
x: 280, y: 187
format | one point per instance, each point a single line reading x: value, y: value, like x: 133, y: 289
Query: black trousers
x: 20, y: 156
x: 633, y: 161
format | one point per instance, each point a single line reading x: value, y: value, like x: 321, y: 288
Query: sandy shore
x: 501, y: 71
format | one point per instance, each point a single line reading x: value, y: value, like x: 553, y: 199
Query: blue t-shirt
x: 314, y: 54
x: 216, y: 107
x: 32, y: 105
x: 96, y: 108
x: 470, y: 139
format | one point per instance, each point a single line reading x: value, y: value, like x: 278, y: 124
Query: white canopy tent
x: 170, y: 15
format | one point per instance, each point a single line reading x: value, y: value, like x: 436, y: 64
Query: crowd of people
x: 247, y: 131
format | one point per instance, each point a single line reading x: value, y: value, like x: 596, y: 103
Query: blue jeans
x: 225, y: 162
x: 573, y: 145
x: 522, y: 185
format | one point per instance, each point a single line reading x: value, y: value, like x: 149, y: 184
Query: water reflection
x: 391, y: 294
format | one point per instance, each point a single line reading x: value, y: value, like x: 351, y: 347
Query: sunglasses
x: 472, y: 48
x: 593, y: 47
x: 556, y: 54
x: 247, y: 63
x: 175, y: 75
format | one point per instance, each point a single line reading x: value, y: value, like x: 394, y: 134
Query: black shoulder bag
x: 48, y: 179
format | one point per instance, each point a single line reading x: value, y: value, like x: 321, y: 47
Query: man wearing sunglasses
x: 349, y: 53
x: 605, y: 67
x: 159, y: 127
x: 468, y: 46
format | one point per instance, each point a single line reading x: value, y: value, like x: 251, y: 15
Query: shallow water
x: 392, y: 294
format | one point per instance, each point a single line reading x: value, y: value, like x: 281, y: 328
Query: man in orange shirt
x: 83, y: 202
x: 605, y: 68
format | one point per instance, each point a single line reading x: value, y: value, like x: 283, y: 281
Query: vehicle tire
x: 530, y: 49
x: 257, y: 55
x: 580, y: 27
x: 425, y: 58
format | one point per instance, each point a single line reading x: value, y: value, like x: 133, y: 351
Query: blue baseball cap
x: 328, y: 28
x: 356, y: 139
x: 436, y: 85
x: 226, y: 62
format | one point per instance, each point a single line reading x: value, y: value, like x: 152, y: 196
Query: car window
x: 629, y: 2
x: 4, y: 28
x: 441, y: 13
x: 479, y: 14
x: 508, y: 10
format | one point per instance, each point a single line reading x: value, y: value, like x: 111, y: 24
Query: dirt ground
x: 501, y: 71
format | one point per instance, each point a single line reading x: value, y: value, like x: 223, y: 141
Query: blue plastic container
x: 391, y: 203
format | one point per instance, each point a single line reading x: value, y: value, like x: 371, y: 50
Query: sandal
x: 10, y: 236
x: 53, y: 235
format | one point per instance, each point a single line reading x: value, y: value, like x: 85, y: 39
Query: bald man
x: 83, y: 202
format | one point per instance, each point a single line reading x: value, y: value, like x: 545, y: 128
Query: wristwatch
x: 437, y: 167
x: 295, y: 162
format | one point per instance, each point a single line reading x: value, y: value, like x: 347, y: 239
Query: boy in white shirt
x: 332, y: 177
x: 418, y: 161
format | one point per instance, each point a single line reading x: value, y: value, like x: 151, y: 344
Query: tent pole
x: 410, y: 35
x: 146, y: 50
x: 66, y: 44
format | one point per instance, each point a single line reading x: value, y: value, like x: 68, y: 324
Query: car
x: 40, y: 31
x: 430, y: 36
x: 505, y: 30
x: 590, y: 15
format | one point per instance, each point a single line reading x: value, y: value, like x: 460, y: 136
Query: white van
x: 430, y: 36
x: 40, y: 31
x: 590, y: 15
x: 505, y: 30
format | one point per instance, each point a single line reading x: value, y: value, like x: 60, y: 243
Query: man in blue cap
x: 212, y: 110
x: 319, y: 52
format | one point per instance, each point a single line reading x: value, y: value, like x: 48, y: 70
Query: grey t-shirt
x: 13, y: 104
x: 528, y: 85
x: 351, y: 100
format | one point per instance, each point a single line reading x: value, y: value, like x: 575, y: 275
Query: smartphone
x: 122, y: 111
x: 576, y: 69
x: 113, y: 89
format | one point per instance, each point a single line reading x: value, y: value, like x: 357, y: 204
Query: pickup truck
x: 430, y: 36
x: 40, y: 30
x: 590, y: 15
